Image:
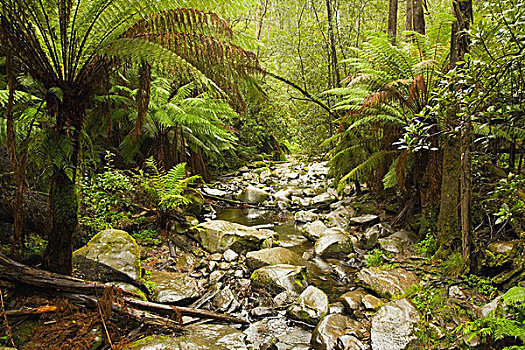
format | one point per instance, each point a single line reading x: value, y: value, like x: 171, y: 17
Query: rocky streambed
x: 291, y: 263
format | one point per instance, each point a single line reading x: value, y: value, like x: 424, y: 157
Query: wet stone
x: 196, y: 337
x: 313, y: 230
x: 306, y: 216
x: 333, y: 327
x: 393, y: 325
x: 365, y: 220
x: 310, y: 307
x: 115, y: 248
x: 333, y: 245
x: 174, y: 287
x: 273, y: 256
x: 278, y: 278
x: 387, y: 283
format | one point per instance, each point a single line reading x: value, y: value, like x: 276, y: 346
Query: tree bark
x: 409, y: 15
x: 456, y: 156
x: 418, y: 16
x: 392, y: 19
x: 64, y: 216
x: 333, y: 53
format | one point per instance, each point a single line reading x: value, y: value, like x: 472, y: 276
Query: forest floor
x: 303, y: 266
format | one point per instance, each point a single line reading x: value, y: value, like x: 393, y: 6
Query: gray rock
x: 340, y: 217
x: 332, y: 328
x: 353, y: 300
x: 500, y: 247
x: 253, y: 195
x: 114, y: 248
x: 289, y: 337
x: 365, y: 220
x: 313, y: 230
x: 261, y: 311
x: 217, y: 276
x: 223, y: 299
x: 278, y: 278
x: 393, y: 326
x: 196, y: 337
x: 323, y: 199
x: 387, y: 283
x: 337, y: 308
x: 273, y: 256
x: 349, y: 342
x: 490, y: 307
x: 285, y: 298
x: 333, y: 245
x: 174, y: 287
x: 370, y: 237
x: 398, y: 242
x: 306, y: 216
x: 230, y: 255
x: 370, y: 302
x: 219, y: 236
x: 311, y: 306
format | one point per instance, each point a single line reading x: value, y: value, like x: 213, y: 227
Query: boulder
x: 278, y: 331
x: 114, y: 248
x: 332, y: 328
x: 196, y: 337
x: 387, y: 283
x: 253, y: 195
x: 333, y: 245
x: 278, y: 278
x: 313, y: 230
x: 323, y: 199
x: 340, y: 217
x: 399, y: 242
x: 219, y: 236
x: 365, y: 220
x: 500, y: 247
x: 174, y: 287
x: 306, y: 216
x: 311, y: 306
x: 273, y: 256
x: 393, y: 325
x: 353, y: 300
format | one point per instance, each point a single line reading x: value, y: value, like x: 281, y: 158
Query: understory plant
x: 504, y: 327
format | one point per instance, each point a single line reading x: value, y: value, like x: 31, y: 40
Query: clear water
x: 331, y: 276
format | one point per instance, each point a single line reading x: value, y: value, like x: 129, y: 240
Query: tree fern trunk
x: 64, y: 217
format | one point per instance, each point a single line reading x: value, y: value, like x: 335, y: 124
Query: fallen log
x: 184, y: 311
x: 31, y: 311
x: 19, y: 274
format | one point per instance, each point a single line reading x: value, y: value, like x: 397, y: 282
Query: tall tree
x: 392, y: 19
x: 456, y: 158
x: 70, y: 47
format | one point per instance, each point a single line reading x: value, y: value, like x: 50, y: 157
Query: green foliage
x: 482, y: 285
x: 375, y: 258
x: 428, y: 246
x: 453, y: 265
x: 146, y: 236
x: 106, y: 199
x: 505, y: 325
x: 167, y: 191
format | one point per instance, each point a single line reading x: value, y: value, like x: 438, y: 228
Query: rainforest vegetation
x: 364, y: 141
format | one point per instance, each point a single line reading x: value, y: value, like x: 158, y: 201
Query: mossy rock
x: 115, y: 248
x: 196, y: 204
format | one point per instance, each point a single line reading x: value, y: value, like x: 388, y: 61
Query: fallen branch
x: 31, y: 311
x: 169, y: 310
x: 85, y: 291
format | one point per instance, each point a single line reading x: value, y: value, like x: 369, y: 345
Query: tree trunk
x: 418, y: 16
x: 333, y: 53
x: 456, y: 153
x: 410, y: 15
x: 64, y: 216
x: 463, y: 13
x: 392, y: 19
